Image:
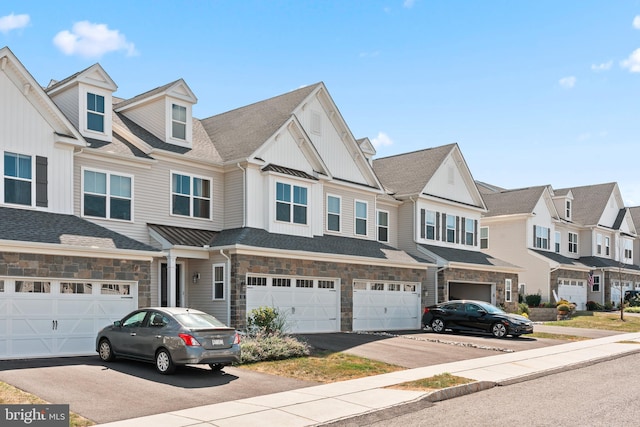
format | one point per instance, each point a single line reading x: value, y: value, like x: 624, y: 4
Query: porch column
x: 171, y: 280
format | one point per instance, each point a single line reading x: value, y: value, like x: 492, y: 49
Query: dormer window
x: 568, y: 209
x: 178, y: 122
x: 95, y: 112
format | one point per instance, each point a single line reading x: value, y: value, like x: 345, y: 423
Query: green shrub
x: 271, y: 346
x: 266, y: 320
x: 594, y: 306
x: 564, y: 307
x: 523, y: 309
x: 632, y: 310
x: 533, y: 300
x: 634, y: 301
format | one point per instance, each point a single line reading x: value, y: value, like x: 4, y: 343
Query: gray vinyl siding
x: 200, y: 295
x: 406, y: 224
x: 234, y: 199
x: 430, y: 293
x: 151, y: 117
x: 347, y: 214
x: 68, y: 102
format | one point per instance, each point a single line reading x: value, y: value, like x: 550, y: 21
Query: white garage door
x: 574, y: 291
x: 44, y: 318
x: 308, y: 305
x: 381, y: 306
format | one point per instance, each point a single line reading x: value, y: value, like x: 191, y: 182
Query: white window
x: 507, y: 290
x: 291, y: 203
x: 573, y: 243
x: 541, y: 238
x: 558, y: 241
x: 218, y: 281
x: 18, y: 179
x: 106, y: 195
x: 451, y: 228
x: 607, y: 246
x: 95, y: 112
x: 430, y: 225
x: 361, y: 218
x: 383, y: 226
x: 484, y: 237
x: 178, y: 122
x: 190, y: 196
x: 568, y: 209
x: 628, y: 251
x: 596, y: 284
x: 469, y: 231
x: 333, y: 213
x: 599, y: 244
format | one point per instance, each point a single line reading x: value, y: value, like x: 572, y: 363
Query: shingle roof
x: 597, y: 262
x: 69, y: 230
x: 183, y: 236
x: 240, y: 132
x: 511, y: 202
x: 146, y: 94
x: 465, y: 256
x: 560, y: 259
x: 589, y: 202
x: 635, y: 216
x: 409, y: 173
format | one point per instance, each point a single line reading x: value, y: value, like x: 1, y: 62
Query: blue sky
x: 534, y: 91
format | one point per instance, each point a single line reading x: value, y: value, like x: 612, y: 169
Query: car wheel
x: 437, y: 325
x: 215, y: 367
x: 164, y: 364
x: 105, y: 351
x: 499, y: 330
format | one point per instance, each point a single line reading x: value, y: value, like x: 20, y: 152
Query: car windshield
x: 199, y: 320
x: 492, y: 309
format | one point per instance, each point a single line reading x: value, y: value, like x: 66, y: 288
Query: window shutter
x: 423, y: 221
x: 41, y: 182
x: 444, y: 227
x: 437, y: 225
x: 463, y: 230
x: 534, y: 236
x: 457, y: 229
x: 475, y: 233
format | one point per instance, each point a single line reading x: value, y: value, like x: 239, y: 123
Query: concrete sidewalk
x: 329, y: 402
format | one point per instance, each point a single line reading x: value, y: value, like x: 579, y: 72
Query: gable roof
x: 409, y: 173
x: 589, y: 202
x: 67, y: 230
x: 167, y: 89
x: 238, y: 133
x: 512, y: 202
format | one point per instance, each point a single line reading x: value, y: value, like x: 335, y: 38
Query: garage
x: 574, y: 291
x: 474, y: 291
x: 47, y: 318
x: 379, y: 306
x: 309, y: 305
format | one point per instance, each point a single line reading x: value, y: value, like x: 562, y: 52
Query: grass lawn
x: 601, y: 320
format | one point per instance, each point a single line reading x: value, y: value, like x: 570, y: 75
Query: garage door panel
x: 384, y: 309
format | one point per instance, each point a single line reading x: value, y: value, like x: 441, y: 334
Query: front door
x: 164, y: 295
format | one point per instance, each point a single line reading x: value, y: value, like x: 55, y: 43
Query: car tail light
x: 189, y: 340
x: 236, y: 339
x: 426, y: 310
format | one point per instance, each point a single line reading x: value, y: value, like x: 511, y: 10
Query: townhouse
x: 573, y: 243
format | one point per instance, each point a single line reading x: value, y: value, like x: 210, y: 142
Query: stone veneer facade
x: 481, y: 277
x: 243, y: 264
x: 14, y: 264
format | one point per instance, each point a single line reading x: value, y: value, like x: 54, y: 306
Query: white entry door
x: 386, y: 306
x: 44, y: 318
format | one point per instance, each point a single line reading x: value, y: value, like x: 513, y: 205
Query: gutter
x: 244, y: 195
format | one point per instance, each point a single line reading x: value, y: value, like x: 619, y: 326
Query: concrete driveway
x: 105, y: 392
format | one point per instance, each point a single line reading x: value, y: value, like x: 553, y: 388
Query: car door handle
x: 133, y: 334
x: 158, y: 336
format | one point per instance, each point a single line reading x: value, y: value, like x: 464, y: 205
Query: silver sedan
x: 169, y: 337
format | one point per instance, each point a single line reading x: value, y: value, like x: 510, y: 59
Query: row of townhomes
x: 109, y: 204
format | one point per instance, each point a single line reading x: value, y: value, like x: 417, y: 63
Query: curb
x: 459, y: 390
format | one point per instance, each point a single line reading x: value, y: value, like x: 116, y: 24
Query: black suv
x: 628, y: 295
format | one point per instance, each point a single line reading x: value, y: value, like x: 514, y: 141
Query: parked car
x: 475, y: 316
x: 168, y: 337
x: 628, y: 295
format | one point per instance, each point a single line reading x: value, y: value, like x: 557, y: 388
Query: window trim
x: 468, y: 233
x: 191, y: 176
x: 169, y: 103
x: 105, y: 135
x: 539, y: 239
x: 573, y: 242
x: 430, y: 225
x: 31, y: 180
x: 221, y: 283
x: 90, y: 111
x: 450, y: 229
x: 378, y: 226
x: 484, y: 238
x: 356, y: 218
x: 174, y: 120
x: 108, y: 196
x: 557, y: 244
x: 339, y: 214
x: 292, y: 204
x: 508, y: 290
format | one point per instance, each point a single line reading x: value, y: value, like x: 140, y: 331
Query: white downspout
x: 227, y: 279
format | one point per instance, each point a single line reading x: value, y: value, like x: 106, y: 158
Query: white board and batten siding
x: 382, y: 306
x: 54, y: 317
x: 309, y: 305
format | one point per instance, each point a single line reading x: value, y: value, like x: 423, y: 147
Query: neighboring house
x: 61, y: 277
x: 568, y: 241
x: 438, y: 220
x: 271, y: 204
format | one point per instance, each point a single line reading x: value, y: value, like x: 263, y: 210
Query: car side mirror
x: 117, y: 323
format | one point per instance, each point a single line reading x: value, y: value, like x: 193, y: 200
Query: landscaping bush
x: 267, y: 320
x: 632, y: 310
x: 634, y: 301
x: 533, y: 300
x: 271, y: 346
x: 523, y: 309
x: 594, y: 306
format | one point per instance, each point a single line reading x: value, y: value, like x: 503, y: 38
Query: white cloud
x: 602, y: 67
x: 382, y: 140
x: 369, y: 54
x: 408, y: 3
x: 92, y: 40
x: 13, y: 22
x: 636, y: 22
x: 567, y: 82
x: 632, y: 62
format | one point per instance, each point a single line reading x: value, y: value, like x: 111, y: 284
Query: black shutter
x: 444, y: 227
x: 437, y: 226
x: 457, y: 229
x: 463, y: 230
x: 534, y: 236
x: 41, y: 182
x: 475, y: 233
x: 423, y: 220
